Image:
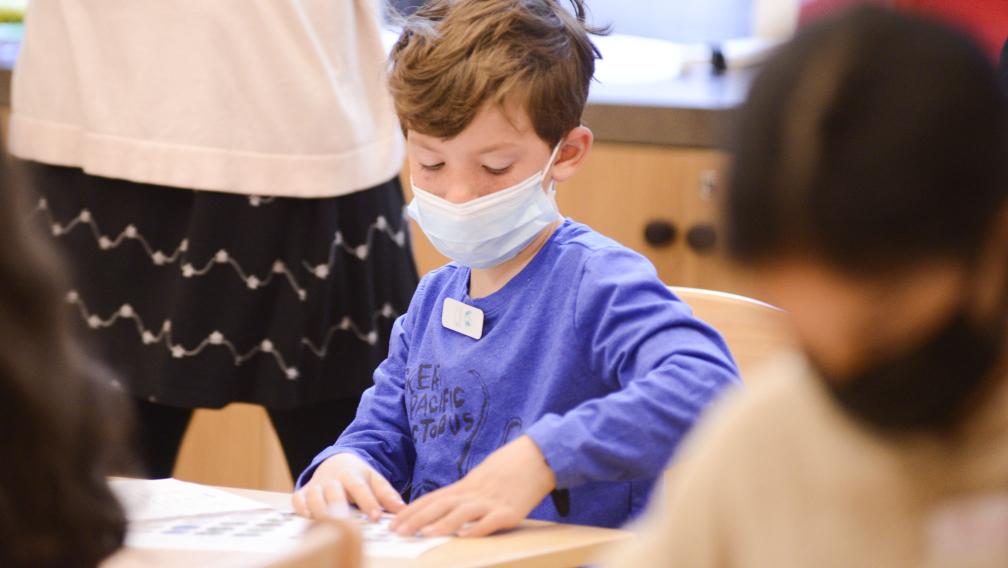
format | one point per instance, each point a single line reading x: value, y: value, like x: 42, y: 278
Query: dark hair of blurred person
x: 877, y: 150
x: 62, y: 421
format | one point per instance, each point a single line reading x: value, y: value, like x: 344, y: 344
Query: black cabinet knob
x: 660, y: 233
x: 702, y: 238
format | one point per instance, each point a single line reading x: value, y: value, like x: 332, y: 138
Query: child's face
x: 498, y: 149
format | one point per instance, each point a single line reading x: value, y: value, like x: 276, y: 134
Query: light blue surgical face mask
x: 489, y: 230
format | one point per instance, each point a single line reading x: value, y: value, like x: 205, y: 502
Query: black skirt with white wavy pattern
x: 198, y: 299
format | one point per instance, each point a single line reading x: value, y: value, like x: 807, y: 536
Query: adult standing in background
x: 870, y: 196
x: 222, y: 177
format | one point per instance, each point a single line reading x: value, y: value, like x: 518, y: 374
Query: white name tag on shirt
x: 462, y: 318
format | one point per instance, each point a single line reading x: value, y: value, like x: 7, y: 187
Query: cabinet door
x: 701, y: 193
x: 660, y: 201
x: 624, y: 187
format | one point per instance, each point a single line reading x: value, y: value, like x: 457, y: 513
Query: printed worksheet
x: 379, y: 541
x: 265, y: 531
x: 247, y: 531
x: 168, y: 514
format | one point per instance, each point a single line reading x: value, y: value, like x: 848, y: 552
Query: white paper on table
x: 264, y: 531
x: 154, y: 499
x: 245, y: 531
x: 380, y: 542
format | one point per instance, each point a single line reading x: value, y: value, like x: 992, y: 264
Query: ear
x: 573, y: 151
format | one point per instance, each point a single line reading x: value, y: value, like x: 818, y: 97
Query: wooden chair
x: 332, y: 543
x: 235, y: 446
x: 756, y: 332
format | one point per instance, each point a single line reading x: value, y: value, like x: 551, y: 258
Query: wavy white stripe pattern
x: 151, y: 336
x: 223, y: 257
x: 257, y: 200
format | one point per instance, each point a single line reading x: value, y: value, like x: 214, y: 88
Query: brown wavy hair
x: 63, y: 424
x: 455, y: 56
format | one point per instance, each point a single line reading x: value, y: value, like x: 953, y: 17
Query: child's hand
x: 497, y: 494
x: 341, y: 479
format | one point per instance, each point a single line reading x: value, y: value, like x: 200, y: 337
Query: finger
x: 489, y: 524
x: 336, y: 501
x: 361, y: 494
x: 418, y: 504
x: 388, y: 497
x: 350, y: 542
x: 315, y: 498
x: 298, y: 502
x: 429, y: 512
x: 455, y: 519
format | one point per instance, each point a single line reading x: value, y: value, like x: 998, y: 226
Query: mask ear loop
x: 549, y: 166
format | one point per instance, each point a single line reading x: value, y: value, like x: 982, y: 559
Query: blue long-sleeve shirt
x: 585, y: 351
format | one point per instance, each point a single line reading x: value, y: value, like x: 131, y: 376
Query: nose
x: 459, y: 192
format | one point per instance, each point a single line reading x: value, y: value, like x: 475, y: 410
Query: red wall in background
x: 986, y: 20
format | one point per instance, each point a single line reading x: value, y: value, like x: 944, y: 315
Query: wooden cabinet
x: 660, y: 201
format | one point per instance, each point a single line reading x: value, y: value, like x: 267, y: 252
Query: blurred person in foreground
x: 869, y: 195
x: 62, y: 424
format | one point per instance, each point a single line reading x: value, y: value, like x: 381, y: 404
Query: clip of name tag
x: 462, y: 318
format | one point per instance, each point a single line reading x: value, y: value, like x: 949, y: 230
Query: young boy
x: 547, y: 360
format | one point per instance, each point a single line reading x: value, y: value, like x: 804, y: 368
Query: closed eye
x: 432, y: 167
x: 497, y: 171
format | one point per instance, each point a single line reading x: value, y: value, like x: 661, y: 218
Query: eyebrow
x: 485, y: 150
x: 495, y: 147
x: 424, y: 145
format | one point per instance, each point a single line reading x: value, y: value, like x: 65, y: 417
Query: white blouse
x: 265, y: 97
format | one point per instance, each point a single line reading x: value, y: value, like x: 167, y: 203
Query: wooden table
x: 534, y: 544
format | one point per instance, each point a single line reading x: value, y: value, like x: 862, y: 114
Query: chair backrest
x: 333, y: 543
x: 755, y: 331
